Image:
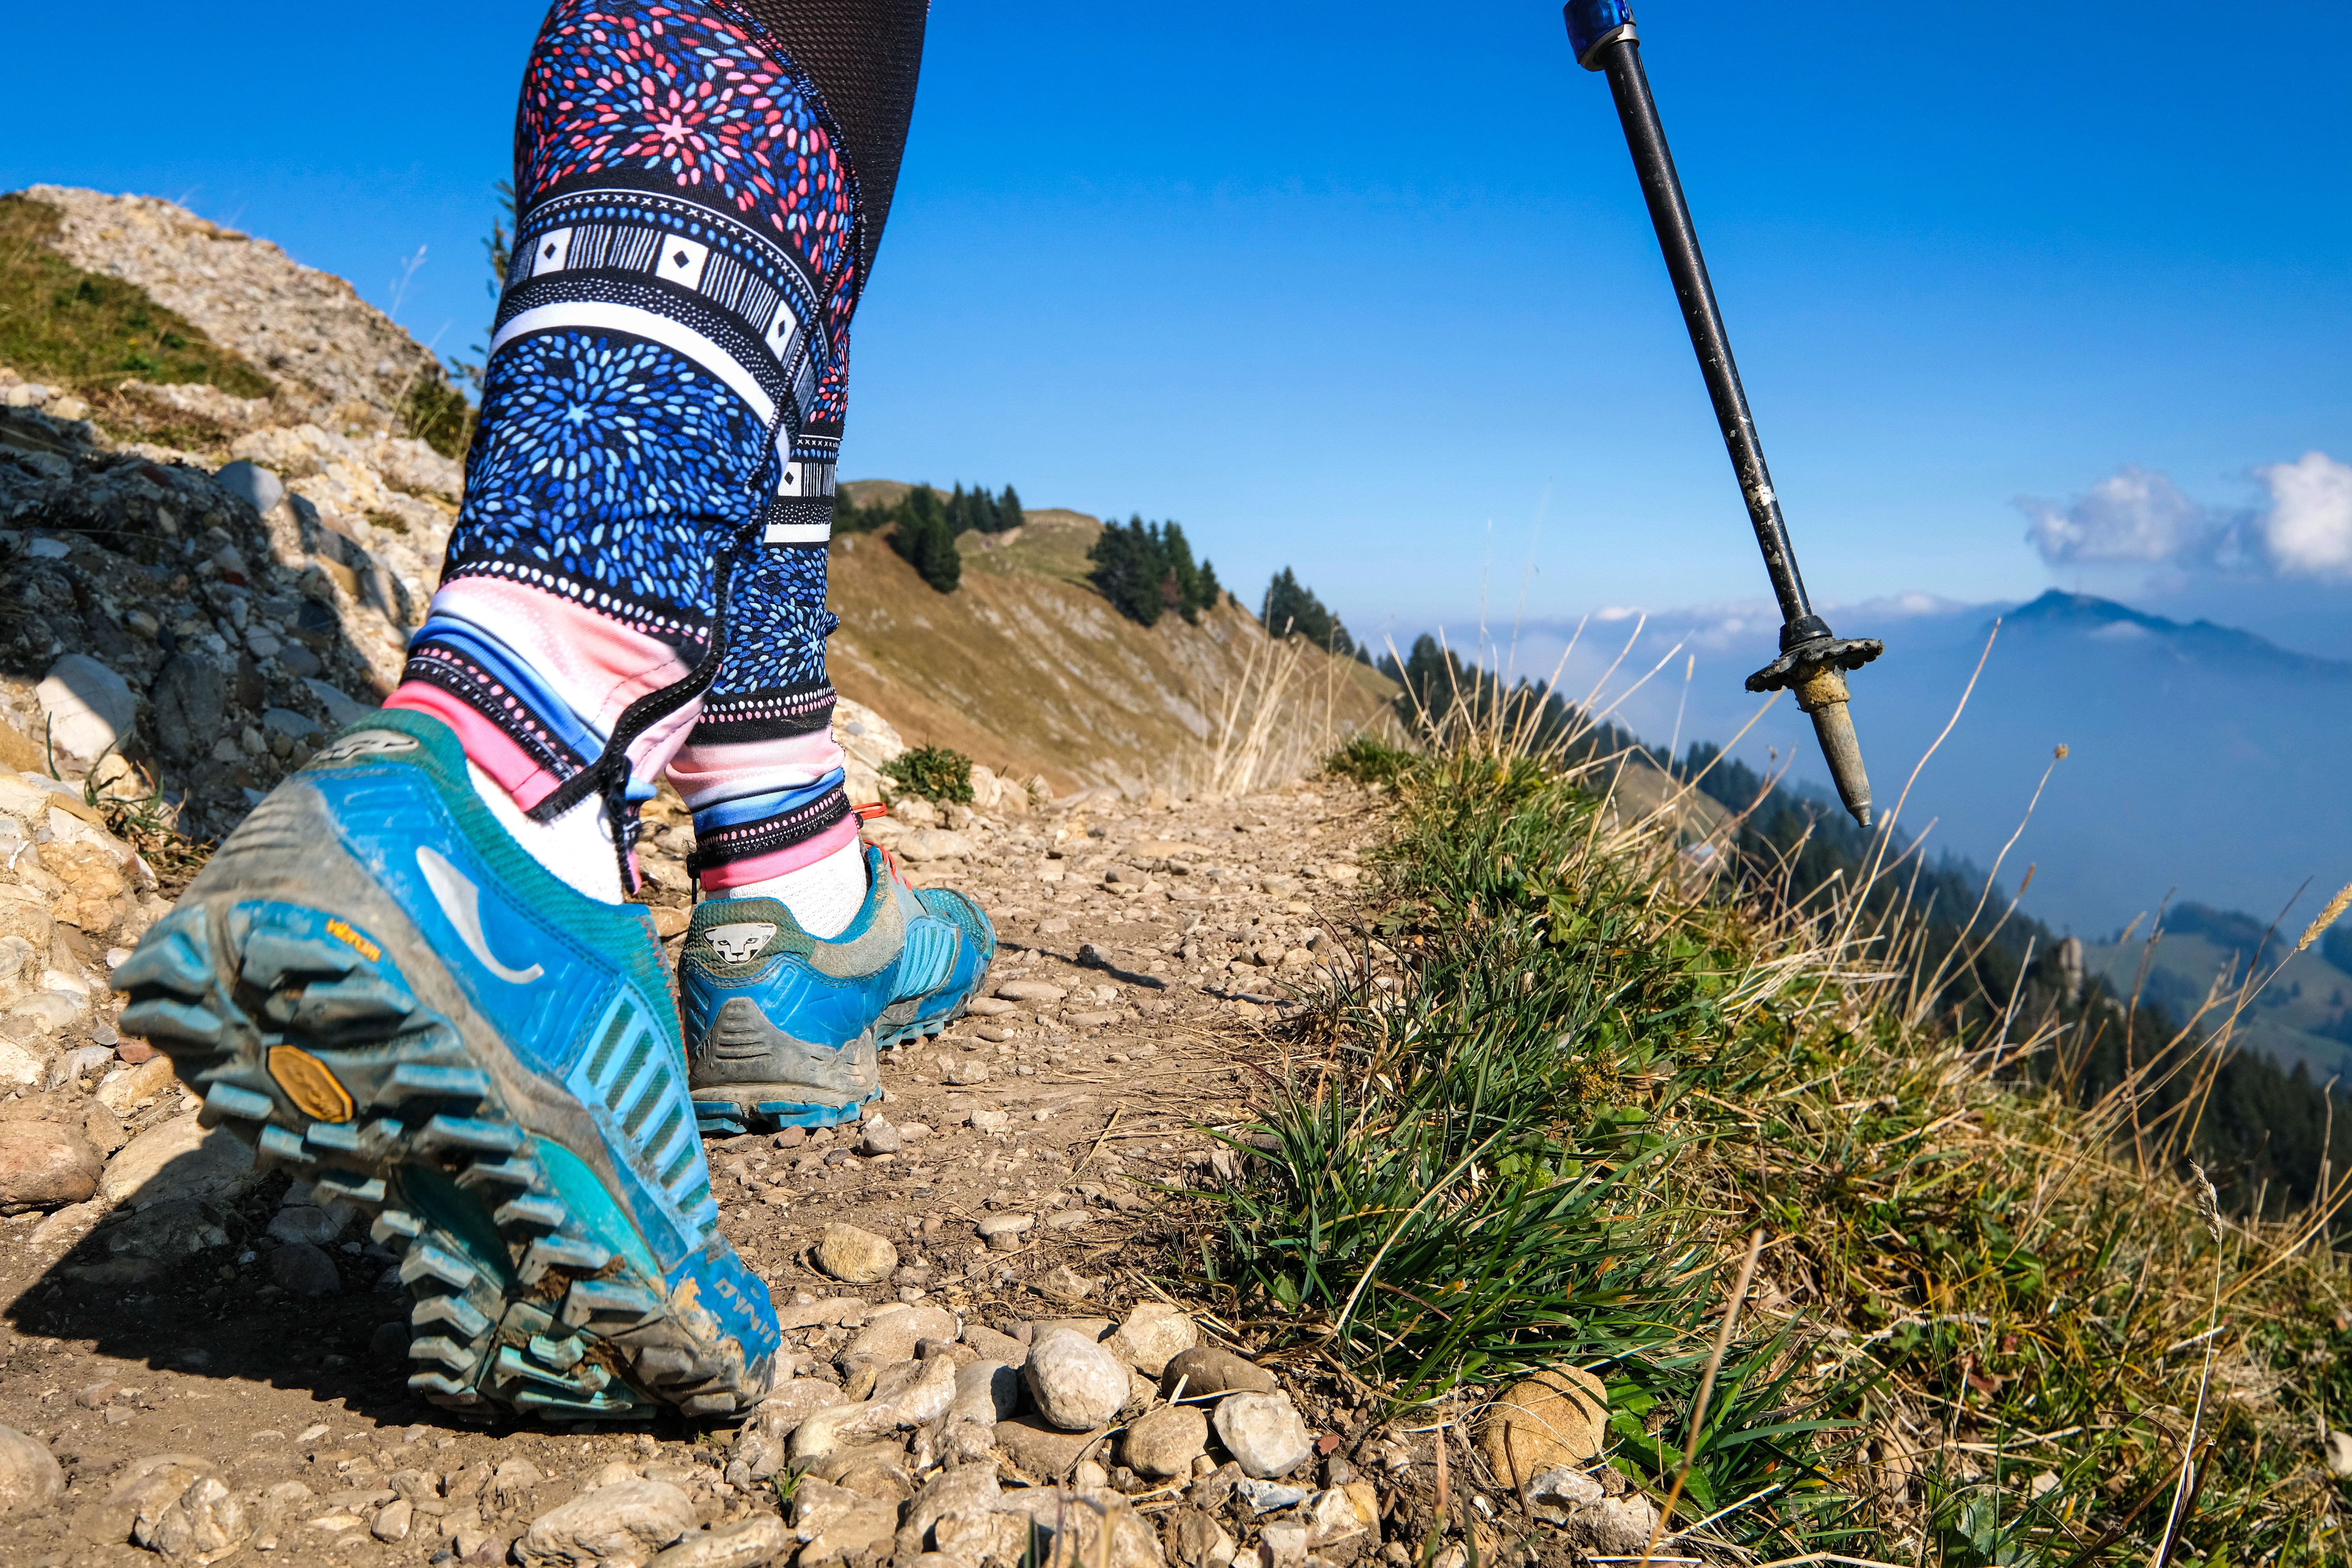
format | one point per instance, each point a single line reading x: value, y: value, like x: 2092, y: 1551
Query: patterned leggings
x: 636, y: 580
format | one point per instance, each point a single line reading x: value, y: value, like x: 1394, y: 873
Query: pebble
x: 1264, y: 1433
x: 881, y: 1138
x: 858, y: 1256
x: 45, y: 1164
x: 1032, y: 990
x: 748, y: 1543
x: 967, y: 1071
x: 1002, y: 1232
x: 989, y: 1006
x: 201, y: 1166
x: 1076, y: 1384
x: 392, y: 1520
x: 610, y: 1527
x: 890, y: 1337
x: 1165, y: 1442
x: 1153, y: 1333
x: 1213, y: 1369
x: 1555, y: 1419
x: 30, y: 1477
x: 302, y: 1270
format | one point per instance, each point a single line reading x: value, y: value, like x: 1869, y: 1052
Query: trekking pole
x: 1813, y: 659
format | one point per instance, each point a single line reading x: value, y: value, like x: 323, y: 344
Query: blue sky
x: 1371, y: 293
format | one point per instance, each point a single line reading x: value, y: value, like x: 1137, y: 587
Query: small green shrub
x: 935, y: 773
x: 1367, y: 759
x: 437, y: 413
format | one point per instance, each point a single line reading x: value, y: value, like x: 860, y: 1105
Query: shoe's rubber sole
x: 308, y: 1042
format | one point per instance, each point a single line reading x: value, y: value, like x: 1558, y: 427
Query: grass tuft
x: 936, y: 773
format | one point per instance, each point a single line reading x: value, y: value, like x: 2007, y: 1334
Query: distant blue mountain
x: 2204, y: 762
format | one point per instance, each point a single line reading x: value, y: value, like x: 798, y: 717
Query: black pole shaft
x: 1670, y: 215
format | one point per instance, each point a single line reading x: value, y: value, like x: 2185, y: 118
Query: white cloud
x: 2131, y: 516
x: 2308, y: 528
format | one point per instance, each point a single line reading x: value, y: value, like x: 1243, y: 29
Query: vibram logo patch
x: 310, y: 1084
x: 354, y: 940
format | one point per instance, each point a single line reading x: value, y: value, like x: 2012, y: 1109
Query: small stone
x: 1165, y: 1442
x: 1199, y: 1541
x: 1556, y: 1495
x: 1077, y: 1384
x: 1213, y: 1369
x: 30, y: 1477
x: 178, y: 1159
x: 989, y: 1006
x: 306, y: 1223
x: 747, y: 1543
x: 126, y: 1089
x: 881, y: 1138
x: 958, y: 1489
x: 986, y: 1392
x: 1264, y: 1433
x: 89, y: 708
x: 994, y: 1346
x: 1030, y: 991
x: 858, y: 1257
x: 1285, y: 1545
x: 302, y: 1270
x: 612, y: 1526
x: 1556, y: 1419
x: 891, y: 1337
x: 990, y: 1121
x: 255, y: 485
x: 45, y: 1164
x: 1067, y: 1219
x: 1002, y: 1232
x: 392, y: 1519
x: 1153, y: 1333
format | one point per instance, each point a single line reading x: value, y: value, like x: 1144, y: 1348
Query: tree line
x: 923, y: 525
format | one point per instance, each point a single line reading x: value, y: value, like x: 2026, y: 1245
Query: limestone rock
x: 124, y: 1091
x: 1151, y: 1334
x: 1094, y: 1528
x: 1037, y: 1449
x: 1164, y: 1443
x: 837, y: 1524
x: 986, y: 1392
x: 962, y: 1487
x: 89, y: 708
x: 763, y: 1444
x: 619, y: 1526
x: 892, y: 1336
x: 1199, y: 1541
x: 1036, y: 991
x: 1077, y: 1384
x: 178, y: 1159
x: 1556, y: 1419
x: 1264, y: 1433
x: 302, y: 1270
x: 392, y: 1520
x: 30, y: 1478
x: 44, y: 1164
x: 748, y: 1543
x: 858, y: 1256
x: 1213, y: 1369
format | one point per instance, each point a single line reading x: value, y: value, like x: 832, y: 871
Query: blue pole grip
x: 1594, y: 24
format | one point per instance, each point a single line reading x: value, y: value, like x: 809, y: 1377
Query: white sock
x: 576, y: 846
x: 823, y: 897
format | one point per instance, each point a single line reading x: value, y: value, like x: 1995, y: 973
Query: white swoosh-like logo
x: 462, y: 902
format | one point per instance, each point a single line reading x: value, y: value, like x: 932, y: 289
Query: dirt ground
x: 1159, y: 922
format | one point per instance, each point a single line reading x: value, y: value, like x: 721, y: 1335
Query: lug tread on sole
x: 545, y: 1329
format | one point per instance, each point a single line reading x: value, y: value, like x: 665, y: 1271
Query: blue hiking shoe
x: 784, y: 1029
x: 373, y: 984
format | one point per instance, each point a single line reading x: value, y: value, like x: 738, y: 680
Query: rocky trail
x: 995, y: 1352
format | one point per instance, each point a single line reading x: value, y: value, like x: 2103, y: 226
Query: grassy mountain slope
x: 1574, y: 1073
x: 1028, y: 670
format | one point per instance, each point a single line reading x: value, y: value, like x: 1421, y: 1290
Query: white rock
x: 612, y: 1526
x: 892, y: 1336
x: 89, y: 707
x: 859, y: 1257
x: 748, y: 1543
x: 30, y: 1478
x: 1151, y: 1333
x: 19, y: 1067
x: 1077, y: 1384
x: 1264, y: 1433
x: 178, y: 1159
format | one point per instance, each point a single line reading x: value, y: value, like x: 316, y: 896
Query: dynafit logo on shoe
x: 742, y: 942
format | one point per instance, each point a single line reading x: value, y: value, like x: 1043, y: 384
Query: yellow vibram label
x: 353, y: 940
x: 308, y: 1084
